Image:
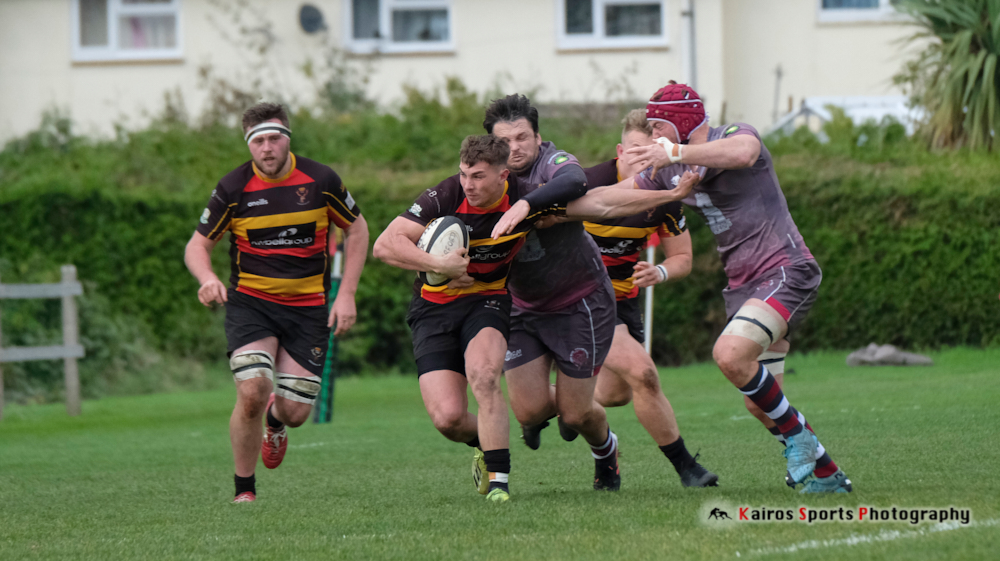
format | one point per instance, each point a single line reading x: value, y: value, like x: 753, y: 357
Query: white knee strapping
x: 774, y: 362
x: 302, y: 389
x: 252, y: 364
x: 754, y: 323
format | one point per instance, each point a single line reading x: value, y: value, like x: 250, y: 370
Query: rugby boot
x: 567, y: 434
x: 607, y: 476
x: 695, y: 475
x: 836, y: 483
x: 532, y: 435
x: 789, y: 481
x: 498, y: 495
x: 246, y: 497
x: 272, y: 449
x: 480, y: 477
x: 800, y: 450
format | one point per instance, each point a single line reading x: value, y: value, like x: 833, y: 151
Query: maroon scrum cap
x: 680, y: 106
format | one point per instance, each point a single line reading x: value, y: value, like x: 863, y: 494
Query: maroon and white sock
x: 765, y: 392
x: 606, y: 450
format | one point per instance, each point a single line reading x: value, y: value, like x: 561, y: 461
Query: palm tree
x: 955, y: 77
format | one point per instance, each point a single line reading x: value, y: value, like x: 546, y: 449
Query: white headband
x: 266, y: 128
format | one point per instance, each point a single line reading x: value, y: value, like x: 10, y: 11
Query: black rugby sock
x: 272, y: 421
x: 245, y: 484
x: 498, y: 466
x: 678, y: 454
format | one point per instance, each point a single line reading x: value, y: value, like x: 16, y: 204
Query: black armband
x: 568, y: 184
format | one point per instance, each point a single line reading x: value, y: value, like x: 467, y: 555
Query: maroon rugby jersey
x: 744, y: 208
x: 490, y: 260
x: 621, y: 240
x: 559, y: 265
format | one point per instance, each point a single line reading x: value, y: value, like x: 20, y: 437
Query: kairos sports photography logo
x: 724, y: 514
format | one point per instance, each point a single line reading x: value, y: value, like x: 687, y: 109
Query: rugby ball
x: 443, y: 235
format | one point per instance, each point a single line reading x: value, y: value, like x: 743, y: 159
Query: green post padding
x: 323, y: 410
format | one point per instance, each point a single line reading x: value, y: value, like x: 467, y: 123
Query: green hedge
x: 907, y: 239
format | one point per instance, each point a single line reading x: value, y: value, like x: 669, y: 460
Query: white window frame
x: 112, y: 52
x: 884, y: 13
x: 598, y: 39
x: 385, y: 44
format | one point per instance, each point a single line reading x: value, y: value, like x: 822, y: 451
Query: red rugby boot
x: 247, y: 497
x: 272, y: 449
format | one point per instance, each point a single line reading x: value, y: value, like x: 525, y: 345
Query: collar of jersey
x: 281, y: 179
x: 500, y: 200
x: 618, y: 173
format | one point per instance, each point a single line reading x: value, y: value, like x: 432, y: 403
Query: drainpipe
x: 691, y: 64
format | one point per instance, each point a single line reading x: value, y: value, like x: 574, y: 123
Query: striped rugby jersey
x: 279, y: 229
x: 490, y: 259
x: 621, y: 240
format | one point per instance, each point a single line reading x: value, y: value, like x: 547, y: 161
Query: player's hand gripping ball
x: 443, y: 236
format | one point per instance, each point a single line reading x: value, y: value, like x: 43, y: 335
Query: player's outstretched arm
x: 675, y: 266
x: 614, y: 202
x: 198, y: 258
x: 569, y: 183
x: 344, y: 311
x: 736, y: 152
x: 397, y: 246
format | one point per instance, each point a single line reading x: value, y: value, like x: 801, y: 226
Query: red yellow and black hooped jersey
x: 621, y: 240
x: 490, y: 259
x: 279, y: 229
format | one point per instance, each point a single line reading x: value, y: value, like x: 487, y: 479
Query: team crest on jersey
x: 559, y: 158
x: 579, y: 357
x: 731, y: 130
x: 205, y: 215
x: 303, y: 193
x: 416, y: 209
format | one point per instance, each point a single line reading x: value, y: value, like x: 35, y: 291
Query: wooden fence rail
x: 69, y: 351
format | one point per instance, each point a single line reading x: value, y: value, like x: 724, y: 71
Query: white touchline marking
x: 308, y: 445
x: 740, y: 417
x: 883, y: 536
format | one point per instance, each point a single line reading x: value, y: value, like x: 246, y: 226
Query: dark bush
x: 907, y: 239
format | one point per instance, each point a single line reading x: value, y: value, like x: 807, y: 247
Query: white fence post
x: 71, y: 338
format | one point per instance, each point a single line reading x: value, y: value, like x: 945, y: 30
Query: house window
x: 610, y: 24
x: 835, y: 11
x: 399, y: 26
x: 110, y: 30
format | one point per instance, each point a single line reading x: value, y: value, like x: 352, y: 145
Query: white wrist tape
x: 673, y: 150
x: 663, y: 273
x: 266, y: 127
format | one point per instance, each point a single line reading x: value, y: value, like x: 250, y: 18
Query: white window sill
x: 387, y: 48
x: 124, y: 57
x: 609, y: 44
x: 859, y: 16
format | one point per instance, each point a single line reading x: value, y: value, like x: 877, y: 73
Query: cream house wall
x: 505, y: 43
x: 510, y: 44
x: 816, y: 58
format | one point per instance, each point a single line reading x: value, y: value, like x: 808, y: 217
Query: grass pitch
x: 151, y: 477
